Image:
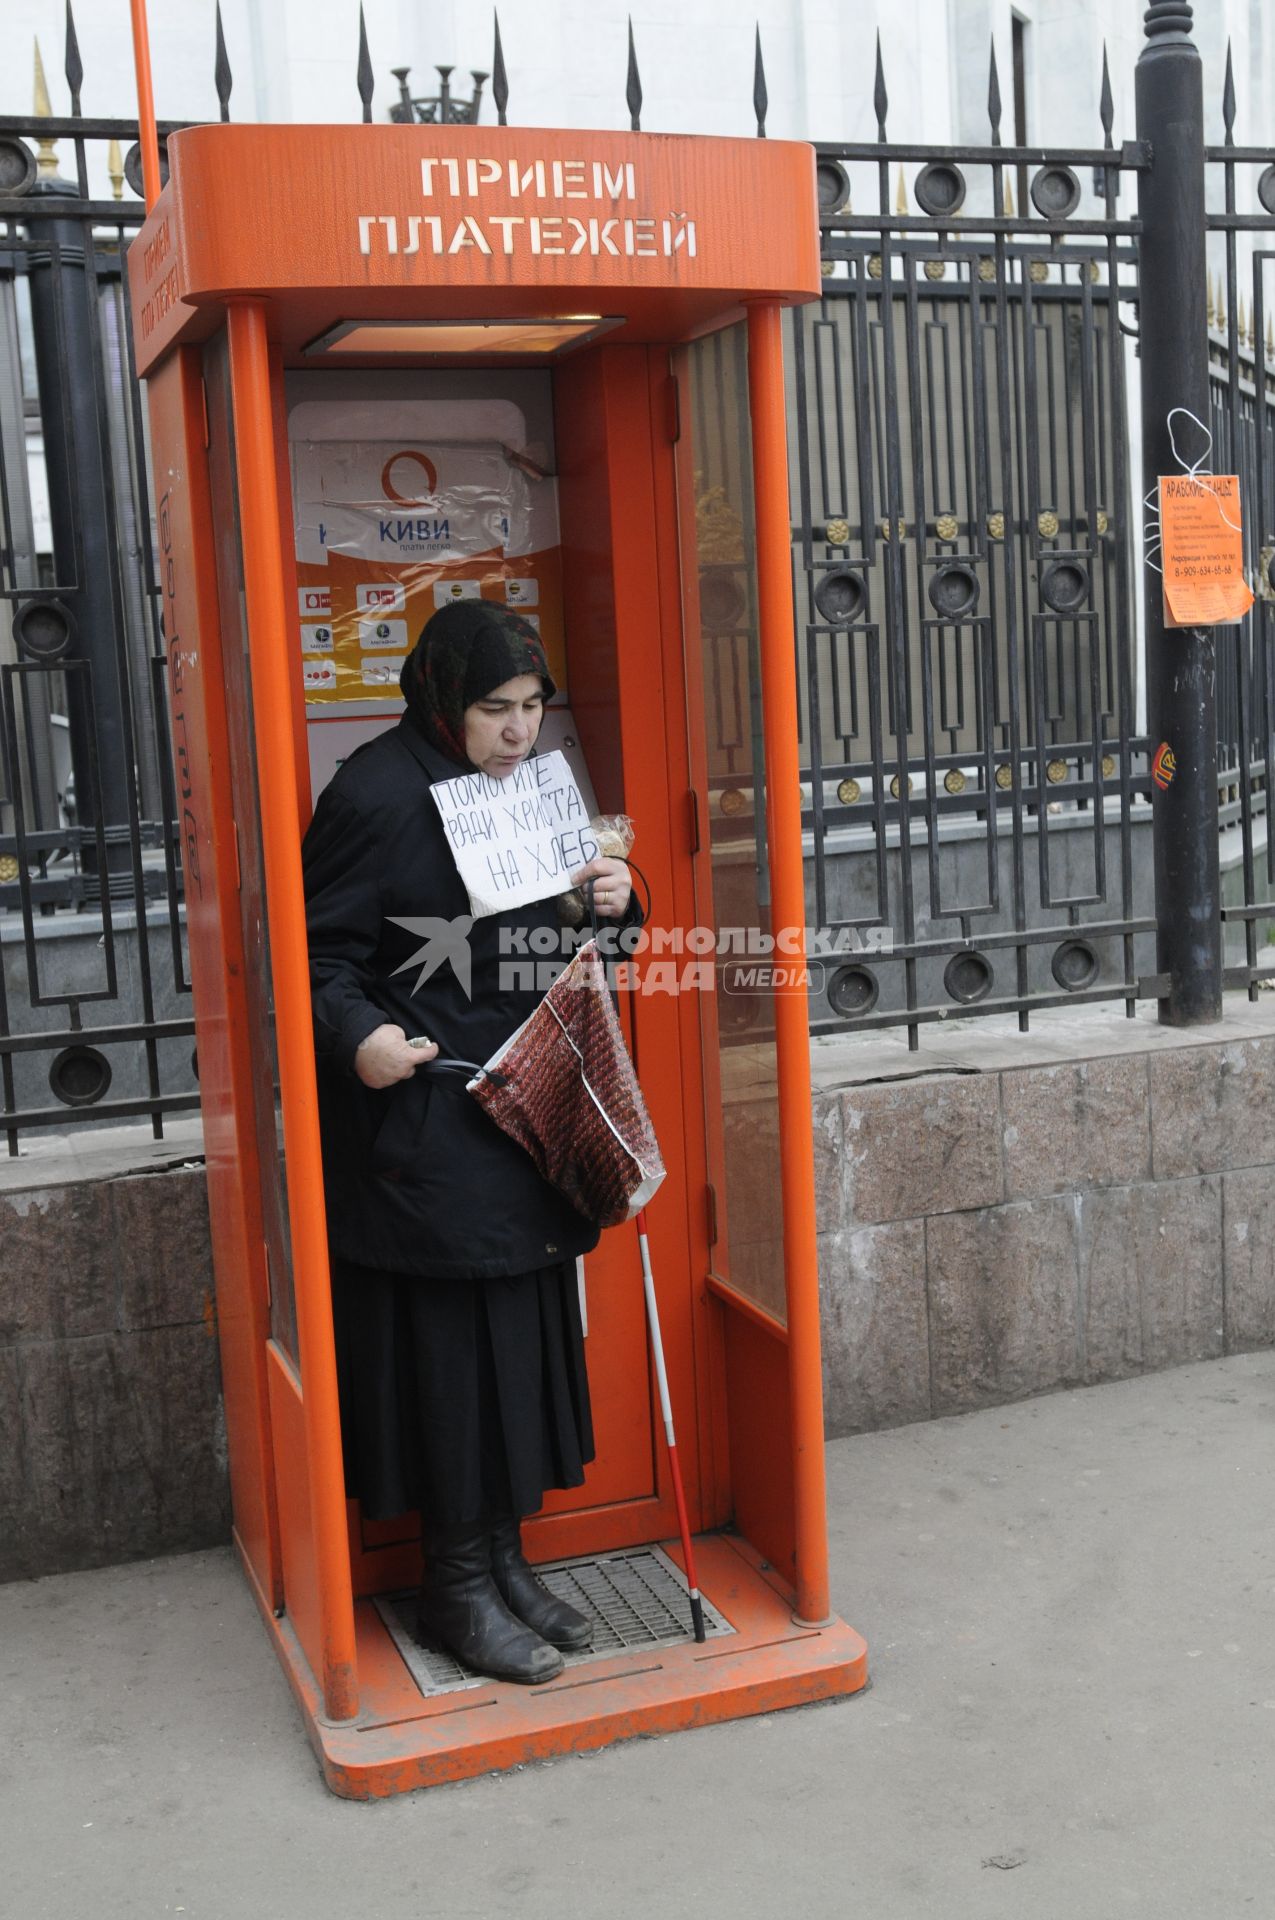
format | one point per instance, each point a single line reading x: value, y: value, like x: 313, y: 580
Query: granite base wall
x: 110, y: 1405
x: 984, y: 1236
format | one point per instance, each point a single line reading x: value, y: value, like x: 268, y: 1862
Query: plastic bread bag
x: 614, y: 834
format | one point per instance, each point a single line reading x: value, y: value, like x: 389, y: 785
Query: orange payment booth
x: 387, y: 367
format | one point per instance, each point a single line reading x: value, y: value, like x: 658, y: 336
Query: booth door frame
x: 617, y: 427
x: 622, y: 542
x: 751, y: 1358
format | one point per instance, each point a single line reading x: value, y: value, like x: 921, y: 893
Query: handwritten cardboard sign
x: 1202, y: 550
x: 517, y: 839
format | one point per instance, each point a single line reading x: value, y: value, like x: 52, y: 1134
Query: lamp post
x: 1174, y: 363
x: 80, y: 626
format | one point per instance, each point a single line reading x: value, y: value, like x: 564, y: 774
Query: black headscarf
x: 466, y: 650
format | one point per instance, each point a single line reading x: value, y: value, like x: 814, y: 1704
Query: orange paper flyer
x: 1202, y: 550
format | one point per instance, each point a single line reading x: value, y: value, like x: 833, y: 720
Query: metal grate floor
x: 636, y: 1598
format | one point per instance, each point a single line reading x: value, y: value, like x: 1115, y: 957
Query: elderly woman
x: 459, y: 1345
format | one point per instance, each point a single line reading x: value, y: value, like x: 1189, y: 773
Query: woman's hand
x: 612, y: 885
x: 386, y: 1056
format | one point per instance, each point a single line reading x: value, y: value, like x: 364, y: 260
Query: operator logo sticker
x: 1164, y: 766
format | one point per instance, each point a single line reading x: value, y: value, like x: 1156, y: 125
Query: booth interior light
x: 547, y: 336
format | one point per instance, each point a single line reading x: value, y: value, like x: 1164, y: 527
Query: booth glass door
x: 732, y: 876
x: 262, y: 1129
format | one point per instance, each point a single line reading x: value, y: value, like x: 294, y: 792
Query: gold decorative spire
x: 1009, y: 199
x: 1212, y: 310
x: 115, y: 167
x: 901, y: 197
x: 1221, y: 303
x: 1270, y: 338
x: 46, y: 160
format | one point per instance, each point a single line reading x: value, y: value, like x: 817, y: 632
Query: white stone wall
x: 295, y: 60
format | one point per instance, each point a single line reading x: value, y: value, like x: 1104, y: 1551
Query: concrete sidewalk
x: 1069, y: 1607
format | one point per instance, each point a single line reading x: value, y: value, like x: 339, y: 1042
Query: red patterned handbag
x: 563, y: 1087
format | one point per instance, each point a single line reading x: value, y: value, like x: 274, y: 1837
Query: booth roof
x: 667, y: 236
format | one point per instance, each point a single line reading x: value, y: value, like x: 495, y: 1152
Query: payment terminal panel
x: 410, y: 490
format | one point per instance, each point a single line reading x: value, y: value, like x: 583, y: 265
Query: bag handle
x: 466, y: 1067
x: 591, y: 909
x: 636, y: 870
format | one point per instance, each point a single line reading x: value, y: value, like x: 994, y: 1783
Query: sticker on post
x: 518, y: 839
x: 1164, y: 766
x: 1202, y: 550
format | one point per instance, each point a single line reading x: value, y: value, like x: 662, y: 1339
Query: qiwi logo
x: 410, y: 479
x: 398, y: 472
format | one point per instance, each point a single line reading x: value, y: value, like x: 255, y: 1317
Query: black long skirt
x: 465, y: 1399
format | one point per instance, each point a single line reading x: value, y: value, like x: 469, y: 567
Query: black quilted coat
x: 418, y: 1179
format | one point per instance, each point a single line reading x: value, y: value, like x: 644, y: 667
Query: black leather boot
x: 461, y: 1611
x: 524, y: 1595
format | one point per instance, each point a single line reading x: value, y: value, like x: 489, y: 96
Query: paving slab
x: 1069, y: 1605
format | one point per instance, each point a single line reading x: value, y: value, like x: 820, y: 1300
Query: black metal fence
x: 964, y: 576
x: 94, y: 1000
x: 974, y: 697
x: 1241, y: 322
x: 978, y: 782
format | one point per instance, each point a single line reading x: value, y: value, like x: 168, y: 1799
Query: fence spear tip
x: 761, y: 100
x: 880, y: 98
x: 223, y: 79
x: 366, y: 78
x: 1106, y: 104
x: 73, y: 66
x: 499, y: 78
x: 633, y: 86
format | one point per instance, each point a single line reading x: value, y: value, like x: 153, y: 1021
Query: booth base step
x: 636, y: 1598
x: 757, y: 1659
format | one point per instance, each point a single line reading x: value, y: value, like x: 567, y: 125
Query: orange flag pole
x: 147, y: 132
